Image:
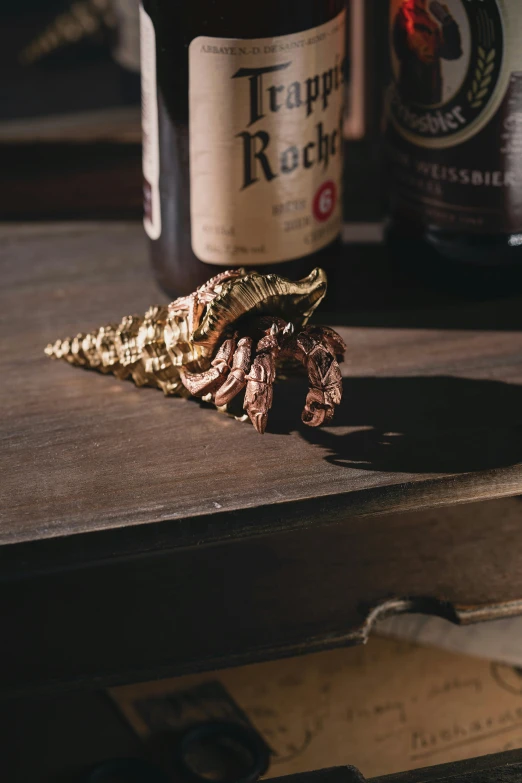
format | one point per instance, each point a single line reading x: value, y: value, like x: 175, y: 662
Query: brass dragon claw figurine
x: 224, y: 338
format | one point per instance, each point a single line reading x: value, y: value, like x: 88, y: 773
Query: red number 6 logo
x: 324, y: 201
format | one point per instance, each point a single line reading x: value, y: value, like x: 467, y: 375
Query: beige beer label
x: 266, y: 145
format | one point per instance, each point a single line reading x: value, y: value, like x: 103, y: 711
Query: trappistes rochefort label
x: 266, y: 145
x: 455, y: 114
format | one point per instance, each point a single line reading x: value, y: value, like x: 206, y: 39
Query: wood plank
x: 145, y: 536
x: 171, y: 611
x: 71, y: 180
x: 120, y: 124
x: 430, y: 417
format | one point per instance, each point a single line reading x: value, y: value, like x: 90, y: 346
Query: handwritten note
x: 387, y: 707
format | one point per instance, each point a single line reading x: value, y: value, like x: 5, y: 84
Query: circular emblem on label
x: 447, y: 60
x: 324, y: 201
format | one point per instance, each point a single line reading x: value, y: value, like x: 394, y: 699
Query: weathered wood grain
x: 178, y: 609
x: 71, y: 180
x: 145, y: 536
x: 430, y: 416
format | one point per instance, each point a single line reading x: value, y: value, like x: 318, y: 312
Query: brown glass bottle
x: 269, y: 141
x: 455, y: 142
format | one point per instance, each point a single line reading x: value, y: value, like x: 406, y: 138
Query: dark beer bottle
x: 455, y: 140
x: 242, y: 111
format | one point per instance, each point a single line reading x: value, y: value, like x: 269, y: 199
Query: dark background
x: 57, y: 162
x: 76, y: 77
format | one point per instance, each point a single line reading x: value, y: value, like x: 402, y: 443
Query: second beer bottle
x: 242, y: 111
x: 455, y: 142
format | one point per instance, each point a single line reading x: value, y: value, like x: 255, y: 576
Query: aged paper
x: 387, y: 707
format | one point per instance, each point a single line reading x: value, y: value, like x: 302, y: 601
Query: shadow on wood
x: 413, y: 424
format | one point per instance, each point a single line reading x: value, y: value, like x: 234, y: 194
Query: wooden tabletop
x: 431, y: 416
x: 146, y: 536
